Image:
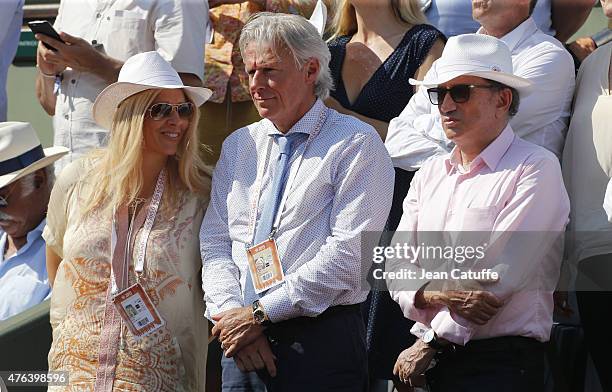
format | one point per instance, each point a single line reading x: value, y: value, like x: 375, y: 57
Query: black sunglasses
x: 459, y: 93
x: 159, y: 111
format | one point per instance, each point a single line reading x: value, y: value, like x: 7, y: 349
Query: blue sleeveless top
x: 387, y: 92
x: 384, y: 97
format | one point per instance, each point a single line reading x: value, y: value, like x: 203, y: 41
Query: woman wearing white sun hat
x: 122, y: 241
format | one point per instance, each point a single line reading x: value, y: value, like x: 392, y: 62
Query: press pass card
x: 137, y: 311
x: 265, y: 266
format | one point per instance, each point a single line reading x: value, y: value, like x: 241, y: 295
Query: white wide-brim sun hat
x: 21, y: 152
x: 475, y: 55
x: 143, y: 71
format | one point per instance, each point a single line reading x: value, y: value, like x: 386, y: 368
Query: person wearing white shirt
x: 26, y: 179
x: 100, y: 36
x: 338, y: 183
x: 417, y: 135
x: 557, y: 18
x: 10, y: 28
x: 587, y: 172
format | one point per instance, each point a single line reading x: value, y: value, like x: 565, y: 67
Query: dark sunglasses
x: 459, y: 93
x: 159, y: 111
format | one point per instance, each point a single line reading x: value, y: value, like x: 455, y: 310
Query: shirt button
x: 108, y: 18
x: 98, y: 15
x: 66, y: 116
x: 73, y: 81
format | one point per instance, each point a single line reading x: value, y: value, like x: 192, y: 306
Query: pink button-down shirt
x: 512, y: 186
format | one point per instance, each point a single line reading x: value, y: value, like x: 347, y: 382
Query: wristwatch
x: 259, y: 314
x: 431, y: 339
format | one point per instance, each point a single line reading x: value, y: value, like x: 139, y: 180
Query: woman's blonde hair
x: 345, y: 20
x: 117, y: 169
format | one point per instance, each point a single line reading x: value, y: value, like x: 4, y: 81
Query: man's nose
x: 447, y: 104
x: 258, y: 79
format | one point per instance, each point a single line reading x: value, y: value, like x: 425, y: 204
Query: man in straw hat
x: 487, y: 329
x: 295, y: 189
x: 26, y: 179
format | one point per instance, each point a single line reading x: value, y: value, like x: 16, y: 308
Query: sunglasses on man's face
x: 160, y: 111
x: 460, y: 93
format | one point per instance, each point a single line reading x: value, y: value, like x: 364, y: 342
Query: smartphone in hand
x: 44, y: 27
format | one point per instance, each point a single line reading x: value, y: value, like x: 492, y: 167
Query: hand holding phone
x: 44, y: 27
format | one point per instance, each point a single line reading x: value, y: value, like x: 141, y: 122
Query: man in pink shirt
x: 486, y: 331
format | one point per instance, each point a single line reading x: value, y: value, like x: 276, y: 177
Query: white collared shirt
x: 342, y: 187
x: 454, y: 17
x: 417, y: 135
x: 11, y: 17
x: 123, y: 28
x: 23, y: 276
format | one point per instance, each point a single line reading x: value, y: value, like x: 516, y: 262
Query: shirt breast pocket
x: 479, y: 218
x: 128, y: 34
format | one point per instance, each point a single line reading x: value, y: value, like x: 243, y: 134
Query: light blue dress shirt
x: 23, y: 276
x: 343, y: 187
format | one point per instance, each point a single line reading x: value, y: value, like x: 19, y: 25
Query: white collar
x: 514, y: 37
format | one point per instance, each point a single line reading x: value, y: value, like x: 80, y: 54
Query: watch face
x: 259, y: 315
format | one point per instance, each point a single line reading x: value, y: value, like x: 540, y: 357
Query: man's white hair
x: 294, y: 32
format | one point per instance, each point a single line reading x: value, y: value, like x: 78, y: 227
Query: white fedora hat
x: 476, y: 55
x: 21, y: 152
x: 143, y: 71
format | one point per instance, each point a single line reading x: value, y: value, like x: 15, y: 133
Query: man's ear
x: 40, y: 178
x: 504, y: 100
x: 312, y: 68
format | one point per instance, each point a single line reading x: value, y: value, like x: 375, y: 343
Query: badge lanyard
x: 111, y: 336
x: 293, y: 173
x: 144, y: 238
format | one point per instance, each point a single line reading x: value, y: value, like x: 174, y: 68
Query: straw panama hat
x: 476, y: 55
x: 21, y: 152
x: 143, y: 71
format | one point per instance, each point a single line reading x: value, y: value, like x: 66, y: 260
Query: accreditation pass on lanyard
x: 264, y: 261
x: 133, y: 304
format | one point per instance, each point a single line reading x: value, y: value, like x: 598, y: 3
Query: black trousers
x: 506, y: 364
x: 594, y: 295
x: 325, y: 353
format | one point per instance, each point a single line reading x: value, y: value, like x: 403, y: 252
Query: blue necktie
x: 270, y: 205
